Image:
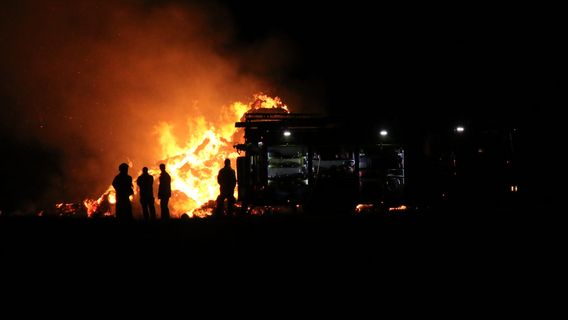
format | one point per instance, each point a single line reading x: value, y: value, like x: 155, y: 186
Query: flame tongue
x: 262, y: 101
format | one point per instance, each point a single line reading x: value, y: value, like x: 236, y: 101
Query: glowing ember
x: 376, y: 208
x: 399, y: 208
x: 363, y: 207
x: 194, y: 164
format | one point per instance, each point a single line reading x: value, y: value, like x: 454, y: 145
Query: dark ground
x: 498, y: 262
x: 417, y: 244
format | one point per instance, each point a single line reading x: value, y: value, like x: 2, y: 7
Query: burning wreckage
x: 287, y: 162
x: 292, y: 162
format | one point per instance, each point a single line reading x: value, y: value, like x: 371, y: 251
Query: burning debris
x: 265, y: 104
x: 204, y: 211
x: 70, y: 210
x: 194, y: 165
x: 102, y: 206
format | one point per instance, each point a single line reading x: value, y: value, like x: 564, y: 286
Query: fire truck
x: 315, y: 164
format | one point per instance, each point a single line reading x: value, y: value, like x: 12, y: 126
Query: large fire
x: 194, y: 164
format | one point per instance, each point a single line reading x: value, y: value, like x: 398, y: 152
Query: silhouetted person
x: 122, y: 185
x: 164, y: 191
x: 227, y: 181
x: 146, y: 182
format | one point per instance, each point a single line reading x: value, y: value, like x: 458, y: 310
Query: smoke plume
x: 85, y: 83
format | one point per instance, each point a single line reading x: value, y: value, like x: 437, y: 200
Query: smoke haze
x: 85, y: 83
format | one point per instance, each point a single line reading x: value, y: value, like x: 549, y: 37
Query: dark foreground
x: 284, y: 240
x: 452, y: 251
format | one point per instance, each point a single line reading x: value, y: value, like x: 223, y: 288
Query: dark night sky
x: 417, y: 65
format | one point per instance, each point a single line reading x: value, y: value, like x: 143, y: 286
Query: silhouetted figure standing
x: 227, y: 180
x: 146, y: 182
x: 122, y: 185
x: 164, y: 192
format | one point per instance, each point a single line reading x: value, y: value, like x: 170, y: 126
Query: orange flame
x: 262, y: 101
x: 102, y: 204
x: 194, y: 165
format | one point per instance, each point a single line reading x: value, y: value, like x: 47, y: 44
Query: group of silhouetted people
x: 123, y: 187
